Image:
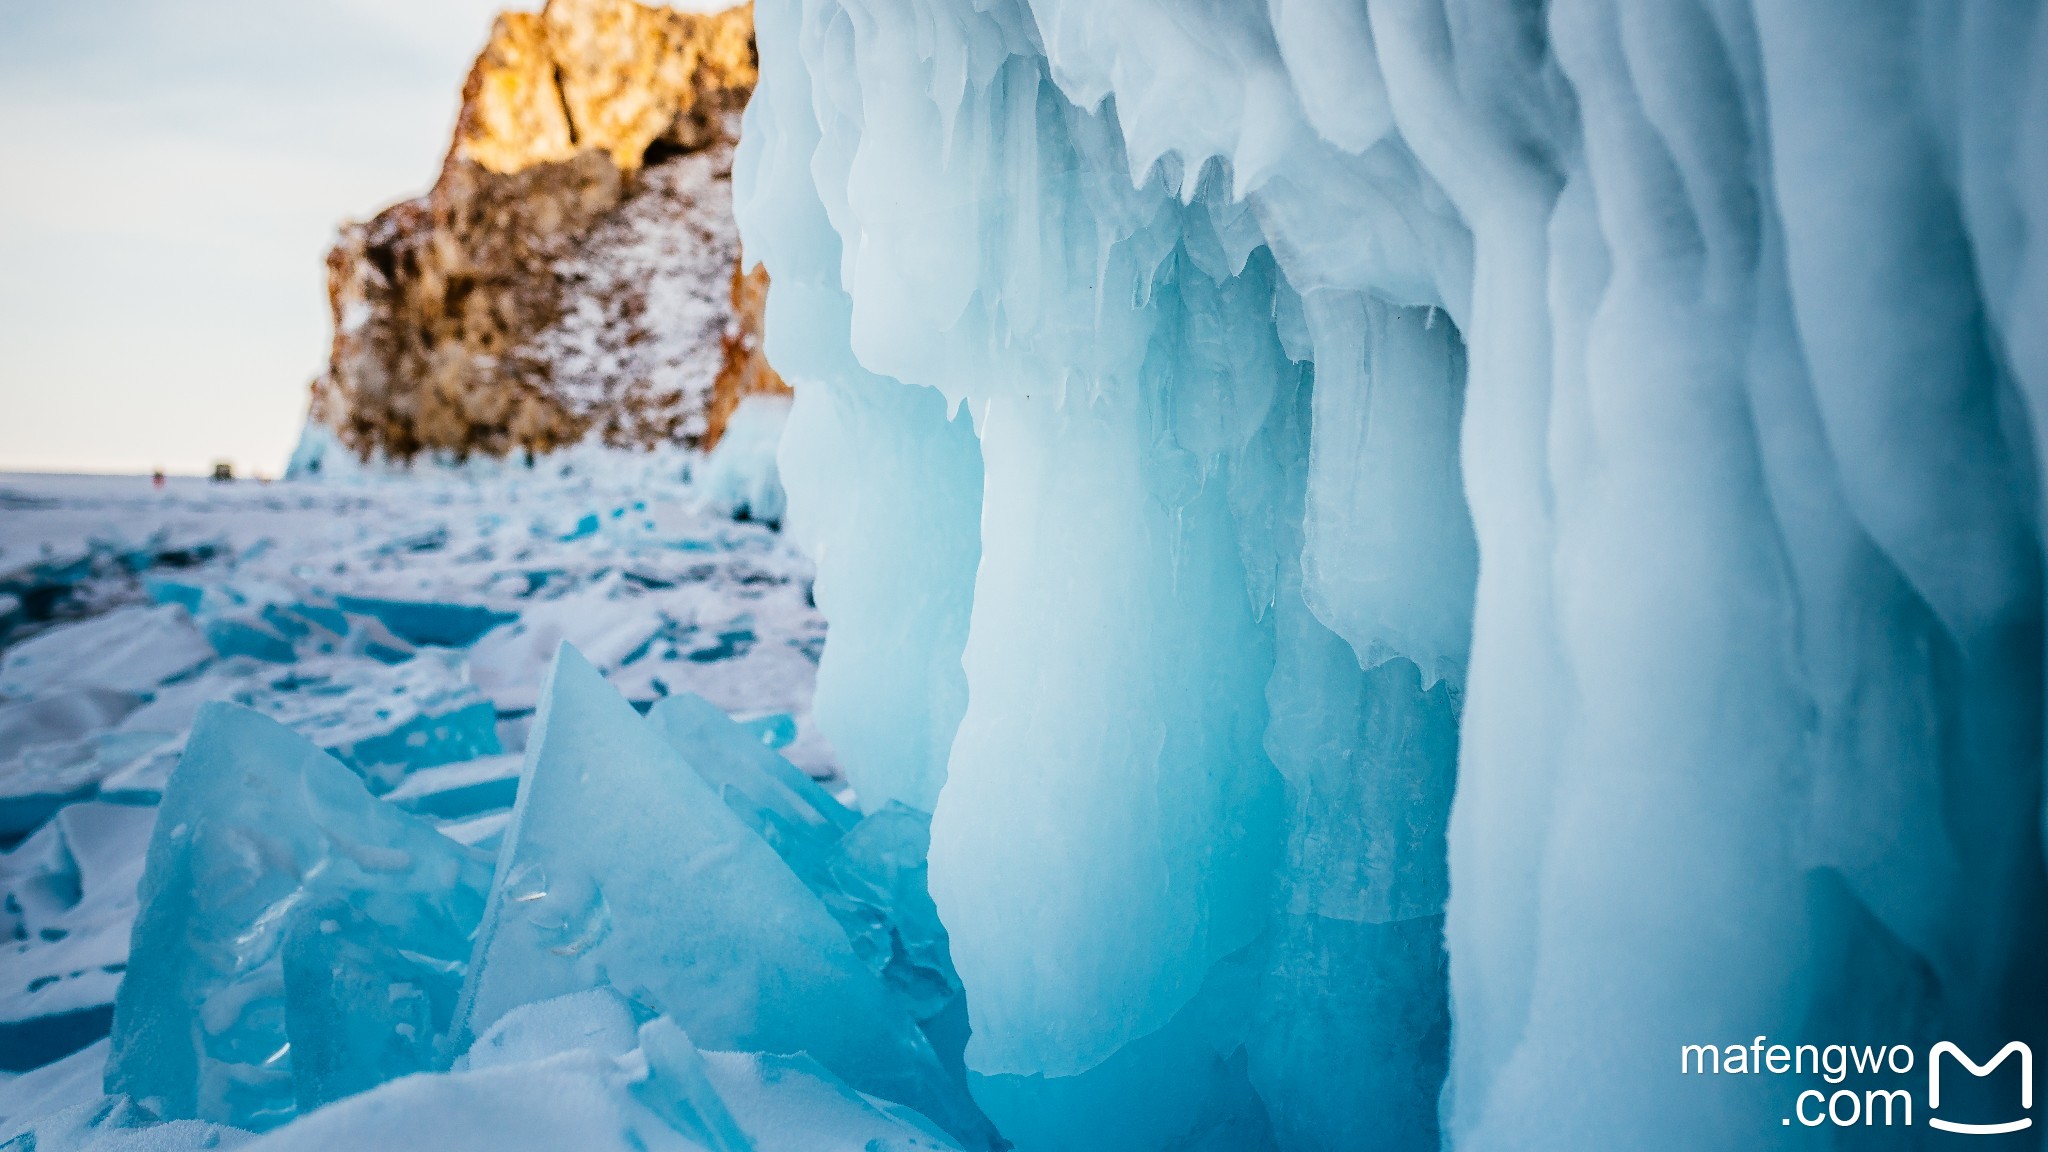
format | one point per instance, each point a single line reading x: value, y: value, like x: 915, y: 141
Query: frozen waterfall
x: 1425, y: 554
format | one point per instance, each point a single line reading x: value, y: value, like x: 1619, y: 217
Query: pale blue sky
x: 173, y: 172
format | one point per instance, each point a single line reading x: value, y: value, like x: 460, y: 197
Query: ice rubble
x: 128, y: 650
x: 621, y: 865
x: 368, y: 703
x: 311, y: 944
x: 1623, y: 415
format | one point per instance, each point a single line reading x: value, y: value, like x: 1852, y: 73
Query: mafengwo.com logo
x: 1893, y: 1100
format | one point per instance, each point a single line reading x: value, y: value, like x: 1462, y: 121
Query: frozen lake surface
x: 405, y: 626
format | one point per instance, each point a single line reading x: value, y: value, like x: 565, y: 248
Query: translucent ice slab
x: 305, y: 938
x: 622, y: 865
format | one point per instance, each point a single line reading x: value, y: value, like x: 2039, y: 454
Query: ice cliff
x: 574, y: 271
x: 1425, y: 553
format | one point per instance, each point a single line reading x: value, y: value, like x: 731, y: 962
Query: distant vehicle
x: 223, y: 472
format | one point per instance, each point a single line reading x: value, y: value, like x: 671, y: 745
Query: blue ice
x: 429, y: 622
x: 623, y: 866
x: 305, y: 939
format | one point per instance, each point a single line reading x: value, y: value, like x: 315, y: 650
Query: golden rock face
x: 606, y: 74
x: 575, y: 270
x: 512, y: 114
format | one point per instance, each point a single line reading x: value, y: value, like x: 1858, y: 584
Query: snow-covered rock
x: 575, y: 272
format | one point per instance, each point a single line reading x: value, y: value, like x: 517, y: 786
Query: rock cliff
x: 575, y: 269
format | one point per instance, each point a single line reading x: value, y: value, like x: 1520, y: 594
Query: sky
x: 173, y: 174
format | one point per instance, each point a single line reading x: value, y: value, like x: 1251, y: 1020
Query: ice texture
x: 304, y: 939
x: 301, y: 954
x: 622, y: 866
x: 597, y: 1019
x: 577, y: 1071
x: 869, y: 872
x: 387, y: 722
x: 1506, y: 522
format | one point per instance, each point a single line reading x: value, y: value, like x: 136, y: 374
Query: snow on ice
x: 364, y: 786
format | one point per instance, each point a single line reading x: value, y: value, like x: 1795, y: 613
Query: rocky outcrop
x: 575, y: 269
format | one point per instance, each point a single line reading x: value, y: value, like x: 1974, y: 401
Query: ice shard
x: 869, y: 872
x: 305, y: 939
x: 623, y: 866
x: 679, y: 1090
x: 773, y: 796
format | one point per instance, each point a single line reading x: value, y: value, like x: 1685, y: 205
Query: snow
x: 650, y: 298
x: 70, y: 899
x: 127, y: 650
x: 1423, y: 555
x: 53, y: 1088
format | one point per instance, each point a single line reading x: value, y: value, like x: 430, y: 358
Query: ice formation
x: 621, y: 865
x: 295, y: 700
x: 1407, y: 560
x: 1231, y: 433
x: 304, y: 940
x: 740, y: 479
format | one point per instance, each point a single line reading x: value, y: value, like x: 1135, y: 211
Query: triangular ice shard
x: 868, y: 872
x: 622, y: 866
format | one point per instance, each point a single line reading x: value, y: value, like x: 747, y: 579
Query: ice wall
x: 1620, y: 417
